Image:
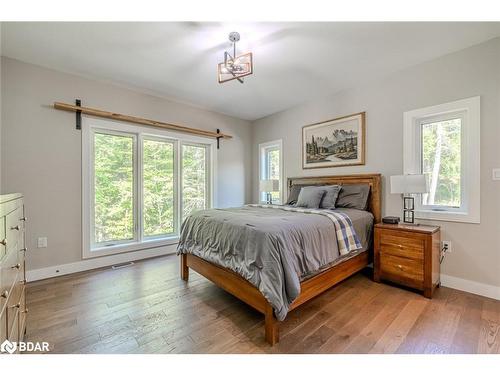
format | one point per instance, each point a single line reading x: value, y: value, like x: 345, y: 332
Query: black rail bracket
x: 218, y: 139
x: 78, y: 103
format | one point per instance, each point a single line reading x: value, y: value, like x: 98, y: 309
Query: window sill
x: 460, y: 217
x: 129, y: 247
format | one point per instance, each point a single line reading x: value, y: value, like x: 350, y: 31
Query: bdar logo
x: 8, y: 347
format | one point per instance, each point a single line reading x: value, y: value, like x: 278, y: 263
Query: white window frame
x: 263, y: 147
x: 89, y: 127
x: 469, y: 112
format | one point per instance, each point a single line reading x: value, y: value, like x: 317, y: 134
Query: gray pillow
x: 354, y: 196
x: 310, y: 196
x: 330, y: 197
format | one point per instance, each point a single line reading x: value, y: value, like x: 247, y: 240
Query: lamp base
x: 269, y: 198
x: 408, y: 211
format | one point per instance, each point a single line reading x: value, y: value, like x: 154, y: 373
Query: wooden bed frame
x: 310, y: 288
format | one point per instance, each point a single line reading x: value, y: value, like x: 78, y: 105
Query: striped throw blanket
x: 347, y: 238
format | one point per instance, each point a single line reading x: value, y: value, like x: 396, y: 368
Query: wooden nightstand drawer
x: 401, y: 246
x: 406, y: 271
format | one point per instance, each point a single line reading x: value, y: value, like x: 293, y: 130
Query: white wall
x: 471, y: 72
x: 41, y: 151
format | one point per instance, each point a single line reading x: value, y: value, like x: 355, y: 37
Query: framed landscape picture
x: 334, y: 143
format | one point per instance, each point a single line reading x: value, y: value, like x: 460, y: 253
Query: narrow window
x: 270, y: 166
x: 441, y: 163
x: 194, y: 179
x: 114, y: 216
x: 158, y: 188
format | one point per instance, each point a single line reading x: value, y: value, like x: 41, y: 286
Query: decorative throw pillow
x: 354, y: 196
x: 310, y: 196
x: 330, y: 197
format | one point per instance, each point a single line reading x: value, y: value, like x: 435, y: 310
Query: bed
x: 288, y: 281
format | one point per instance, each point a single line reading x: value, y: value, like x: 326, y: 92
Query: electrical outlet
x: 42, y: 242
x: 446, y: 246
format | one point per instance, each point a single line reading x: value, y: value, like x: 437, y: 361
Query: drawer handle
x: 5, y: 294
x: 18, y: 265
x: 15, y: 227
x: 24, y: 249
x: 16, y: 306
x: 400, y: 266
x: 4, y: 242
x: 23, y: 219
x: 400, y: 246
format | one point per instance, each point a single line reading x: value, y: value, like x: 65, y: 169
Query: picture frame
x: 334, y: 143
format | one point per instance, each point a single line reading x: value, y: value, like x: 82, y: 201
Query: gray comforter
x: 271, y: 248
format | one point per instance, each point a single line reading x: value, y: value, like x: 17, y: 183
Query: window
x: 194, y: 178
x: 114, y: 209
x: 271, y: 168
x: 442, y: 142
x: 158, y: 184
x: 138, y: 186
x: 441, y: 164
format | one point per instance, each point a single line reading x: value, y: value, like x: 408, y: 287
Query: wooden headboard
x: 374, y: 201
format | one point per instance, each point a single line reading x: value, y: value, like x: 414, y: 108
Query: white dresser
x: 12, y: 273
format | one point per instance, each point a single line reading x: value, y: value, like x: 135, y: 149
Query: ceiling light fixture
x: 234, y: 67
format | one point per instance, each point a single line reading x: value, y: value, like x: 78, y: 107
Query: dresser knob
x: 15, y: 227
x: 400, y: 266
x: 16, y: 306
x: 24, y: 249
x: 4, y: 242
x: 400, y: 246
x: 26, y: 310
x: 5, y: 294
x: 23, y: 219
x: 18, y: 265
x: 22, y: 282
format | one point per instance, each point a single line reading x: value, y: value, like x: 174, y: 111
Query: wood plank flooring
x: 147, y: 308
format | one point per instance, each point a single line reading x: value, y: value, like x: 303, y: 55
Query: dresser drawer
x: 3, y: 326
x: 10, y: 268
x: 392, y: 244
x: 14, y: 330
x: 14, y: 227
x: 409, y: 272
x: 13, y: 307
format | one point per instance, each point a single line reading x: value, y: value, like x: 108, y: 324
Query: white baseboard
x: 93, y: 263
x: 474, y: 287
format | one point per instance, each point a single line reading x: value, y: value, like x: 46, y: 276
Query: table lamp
x: 268, y: 187
x: 409, y: 184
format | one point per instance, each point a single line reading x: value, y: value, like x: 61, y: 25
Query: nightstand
x: 407, y: 255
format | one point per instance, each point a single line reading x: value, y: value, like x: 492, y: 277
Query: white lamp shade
x: 409, y: 184
x: 268, y: 186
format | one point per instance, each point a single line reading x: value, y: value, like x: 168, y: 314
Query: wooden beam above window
x: 139, y: 120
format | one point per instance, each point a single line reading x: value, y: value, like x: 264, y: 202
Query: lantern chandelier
x: 234, y: 67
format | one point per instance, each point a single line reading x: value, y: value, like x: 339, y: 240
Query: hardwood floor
x: 147, y: 308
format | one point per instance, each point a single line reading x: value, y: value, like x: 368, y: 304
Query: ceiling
x: 293, y: 62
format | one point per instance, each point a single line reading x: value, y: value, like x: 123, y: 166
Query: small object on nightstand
x: 390, y: 220
x: 407, y: 255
